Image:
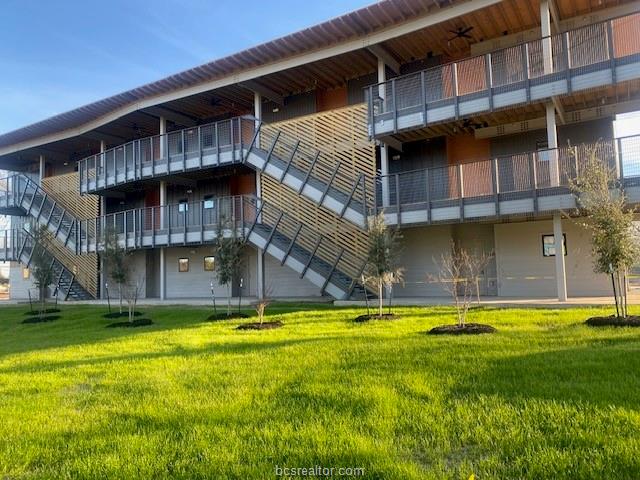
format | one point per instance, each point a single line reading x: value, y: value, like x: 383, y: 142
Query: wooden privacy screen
x: 64, y: 190
x: 341, y: 135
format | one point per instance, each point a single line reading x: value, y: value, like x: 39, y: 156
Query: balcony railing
x: 587, y: 57
x: 203, y: 146
x: 525, y: 183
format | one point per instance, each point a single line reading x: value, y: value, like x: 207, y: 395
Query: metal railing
x: 352, y: 190
x: 201, y: 146
x: 572, y: 51
x: 505, y: 177
x: 203, y: 222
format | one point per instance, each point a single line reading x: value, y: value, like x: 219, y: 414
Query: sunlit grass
x: 545, y: 397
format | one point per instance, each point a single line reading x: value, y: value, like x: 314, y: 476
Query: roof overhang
x: 170, y: 89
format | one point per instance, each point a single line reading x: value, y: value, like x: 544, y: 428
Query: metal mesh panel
x: 508, y: 66
x: 471, y: 74
x: 174, y: 142
x: 588, y: 45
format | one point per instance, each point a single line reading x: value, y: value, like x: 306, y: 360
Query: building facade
x: 463, y: 121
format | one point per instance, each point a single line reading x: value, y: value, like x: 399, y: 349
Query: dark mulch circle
x: 224, y: 316
x: 121, y: 315
x: 46, y: 312
x: 614, y: 321
x: 260, y: 326
x: 375, y: 316
x: 37, y: 319
x: 138, y: 322
x: 467, y: 329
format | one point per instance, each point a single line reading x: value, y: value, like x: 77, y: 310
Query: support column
x: 561, y: 275
x: 102, y: 210
x: 163, y: 139
x: 257, y: 112
x: 547, y: 58
x: 384, y: 149
x: 163, y: 213
x: 41, y: 168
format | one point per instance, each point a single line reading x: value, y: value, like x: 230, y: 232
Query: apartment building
x: 463, y: 121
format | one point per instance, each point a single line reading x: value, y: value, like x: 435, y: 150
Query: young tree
x: 116, y: 261
x: 458, y: 272
x: 43, y: 276
x: 228, y: 256
x: 605, y: 214
x: 132, y: 293
x: 381, y: 268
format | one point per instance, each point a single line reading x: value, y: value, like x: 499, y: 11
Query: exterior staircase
x: 18, y: 245
x: 24, y: 197
x: 312, y: 174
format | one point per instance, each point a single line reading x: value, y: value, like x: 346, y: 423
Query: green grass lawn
x: 545, y: 397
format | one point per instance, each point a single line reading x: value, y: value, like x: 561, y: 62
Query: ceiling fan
x: 461, y: 32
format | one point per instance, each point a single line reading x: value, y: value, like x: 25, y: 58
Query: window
x: 183, y: 206
x: 26, y: 273
x: 549, y: 245
x: 183, y: 265
x: 209, y: 264
x: 208, y: 202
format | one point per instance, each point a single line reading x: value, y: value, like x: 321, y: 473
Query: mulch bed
x: 375, y: 316
x: 224, y: 316
x: 138, y: 322
x: 467, y: 329
x: 37, y: 319
x: 614, y: 321
x: 46, y: 312
x: 260, y: 326
x: 121, y: 315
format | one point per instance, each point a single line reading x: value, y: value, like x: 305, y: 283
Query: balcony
x: 593, y: 56
x: 530, y: 183
x: 205, y: 146
x: 313, y: 255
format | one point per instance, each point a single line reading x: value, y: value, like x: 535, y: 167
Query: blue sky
x: 58, y: 55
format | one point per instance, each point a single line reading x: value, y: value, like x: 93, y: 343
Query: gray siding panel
x: 294, y: 106
x: 575, y: 133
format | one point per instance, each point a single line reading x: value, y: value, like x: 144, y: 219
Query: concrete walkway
x: 521, y: 302
x: 406, y: 301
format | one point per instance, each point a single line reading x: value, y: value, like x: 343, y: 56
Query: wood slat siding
x: 341, y: 135
x: 64, y: 190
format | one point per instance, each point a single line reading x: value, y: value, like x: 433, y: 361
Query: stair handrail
x: 319, y: 159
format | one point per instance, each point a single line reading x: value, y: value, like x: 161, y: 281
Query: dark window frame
x: 564, y: 244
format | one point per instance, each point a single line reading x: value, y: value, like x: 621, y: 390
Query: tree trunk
x: 380, y: 299
x: 228, y: 299
x: 120, y: 294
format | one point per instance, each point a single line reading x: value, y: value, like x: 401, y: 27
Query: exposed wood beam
x: 392, y: 142
x: 170, y: 114
x: 559, y: 110
x: 385, y: 55
x: 263, y: 90
x: 555, y: 16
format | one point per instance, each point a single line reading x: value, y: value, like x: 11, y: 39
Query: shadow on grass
x: 226, y: 348
x: 602, y: 373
